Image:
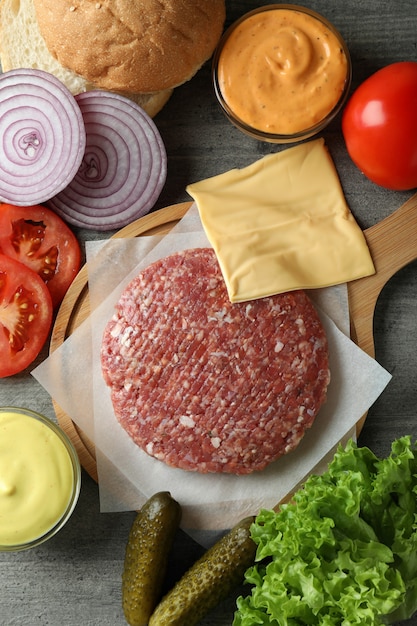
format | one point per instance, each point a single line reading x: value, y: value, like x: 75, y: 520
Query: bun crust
x: 132, y: 45
x: 18, y: 26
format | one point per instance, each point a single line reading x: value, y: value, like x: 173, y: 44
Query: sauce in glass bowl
x: 40, y: 478
x: 281, y: 73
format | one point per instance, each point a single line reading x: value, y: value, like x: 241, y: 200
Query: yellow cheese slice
x: 282, y: 223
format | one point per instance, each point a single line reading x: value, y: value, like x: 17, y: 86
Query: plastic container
x: 40, y: 478
x: 281, y: 73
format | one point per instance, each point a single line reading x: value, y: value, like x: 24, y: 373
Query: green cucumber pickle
x: 209, y: 581
x: 149, y: 544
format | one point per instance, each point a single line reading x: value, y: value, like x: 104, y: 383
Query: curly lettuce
x: 343, y: 552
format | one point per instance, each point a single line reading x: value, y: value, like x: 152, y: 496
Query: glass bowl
x: 285, y: 86
x: 40, y: 478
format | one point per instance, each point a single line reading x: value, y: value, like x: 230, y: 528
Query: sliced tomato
x: 25, y: 316
x: 37, y: 237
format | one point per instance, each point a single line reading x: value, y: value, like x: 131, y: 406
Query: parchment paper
x: 127, y: 475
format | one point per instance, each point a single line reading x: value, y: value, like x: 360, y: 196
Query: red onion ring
x: 42, y: 136
x: 124, y: 167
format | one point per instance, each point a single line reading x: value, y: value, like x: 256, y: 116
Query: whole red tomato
x: 379, y: 126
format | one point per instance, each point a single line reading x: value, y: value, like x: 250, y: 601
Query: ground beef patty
x: 206, y: 385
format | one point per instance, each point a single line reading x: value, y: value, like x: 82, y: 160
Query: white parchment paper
x: 127, y: 475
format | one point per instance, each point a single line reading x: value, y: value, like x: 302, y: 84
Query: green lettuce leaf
x: 343, y: 552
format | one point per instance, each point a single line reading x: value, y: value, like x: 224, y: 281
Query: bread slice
x: 22, y: 45
x: 132, y: 45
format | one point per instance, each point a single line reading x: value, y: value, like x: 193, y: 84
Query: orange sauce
x: 282, y: 70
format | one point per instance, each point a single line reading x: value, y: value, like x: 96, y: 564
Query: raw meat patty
x: 206, y: 385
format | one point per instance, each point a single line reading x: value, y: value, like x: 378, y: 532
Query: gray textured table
x: 75, y: 578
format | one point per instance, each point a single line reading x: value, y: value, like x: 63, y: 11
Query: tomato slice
x: 26, y: 312
x: 37, y: 237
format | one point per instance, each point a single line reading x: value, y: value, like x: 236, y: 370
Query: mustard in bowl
x: 40, y: 478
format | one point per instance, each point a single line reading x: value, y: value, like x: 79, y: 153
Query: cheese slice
x: 282, y: 223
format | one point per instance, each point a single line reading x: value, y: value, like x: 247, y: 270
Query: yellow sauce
x: 282, y: 71
x: 36, y: 478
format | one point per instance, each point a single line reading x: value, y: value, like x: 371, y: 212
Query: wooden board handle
x: 393, y: 244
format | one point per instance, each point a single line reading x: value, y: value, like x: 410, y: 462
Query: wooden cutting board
x: 392, y: 242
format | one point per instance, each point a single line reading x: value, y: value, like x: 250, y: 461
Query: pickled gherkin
x: 150, y: 540
x: 209, y: 581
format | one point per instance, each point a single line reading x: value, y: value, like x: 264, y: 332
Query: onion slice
x: 42, y: 136
x: 124, y: 167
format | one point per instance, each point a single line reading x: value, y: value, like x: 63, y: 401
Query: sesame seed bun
x: 134, y: 46
x: 18, y: 26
